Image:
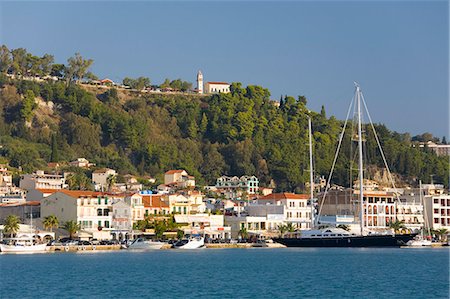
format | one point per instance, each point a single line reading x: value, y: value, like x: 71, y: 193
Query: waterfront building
x: 23, y: 210
x: 122, y: 221
x: 41, y: 180
x: 253, y: 225
x: 217, y: 87
x: 155, y: 204
x: 437, y: 209
x: 233, y: 187
x: 283, y: 208
x: 90, y: 209
x: 26, y: 231
x: 100, y: 178
x: 212, y: 226
x: 186, y: 203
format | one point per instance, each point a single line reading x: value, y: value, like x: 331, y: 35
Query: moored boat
x: 21, y: 245
x: 143, y: 244
x: 192, y: 242
x: 336, y: 237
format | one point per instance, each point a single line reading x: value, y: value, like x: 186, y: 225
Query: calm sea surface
x: 229, y: 273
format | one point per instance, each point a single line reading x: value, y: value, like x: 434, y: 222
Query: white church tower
x: 200, y: 82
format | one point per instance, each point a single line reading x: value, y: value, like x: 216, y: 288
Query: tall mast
x: 311, y: 179
x: 361, y: 176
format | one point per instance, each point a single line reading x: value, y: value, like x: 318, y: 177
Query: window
x: 184, y: 210
x: 99, y: 201
x: 106, y: 212
x: 107, y: 224
x: 99, y: 212
x: 99, y: 223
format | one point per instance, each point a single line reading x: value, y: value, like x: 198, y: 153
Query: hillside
x: 146, y: 134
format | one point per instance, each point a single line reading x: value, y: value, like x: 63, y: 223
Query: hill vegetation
x: 239, y: 133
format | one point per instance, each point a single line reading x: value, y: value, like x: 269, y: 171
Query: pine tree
x: 54, y: 157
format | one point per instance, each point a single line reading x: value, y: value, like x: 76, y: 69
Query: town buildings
x: 233, y: 187
x: 41, y: 180
x: 102, y: 178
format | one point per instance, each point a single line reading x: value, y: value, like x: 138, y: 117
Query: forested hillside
x: 235, y: 134
x: 239, y: 133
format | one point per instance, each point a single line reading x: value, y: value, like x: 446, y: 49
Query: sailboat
x: 420, y: 240
x: 338, y: 237
x: 25, y: 244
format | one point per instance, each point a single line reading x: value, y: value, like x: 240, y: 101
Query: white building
x: 41, y: 180
x: 81, y: 162
x: 179, y: 179
x: 233, y: 187
x: 200, y: 82
x: 217, y: 87
x: 437, y: 208
x: 210, y: 225
x: 100, y: 178
x: 287, y: 207
x: 92, y: 210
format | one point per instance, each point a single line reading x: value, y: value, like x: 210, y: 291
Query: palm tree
x: 12, y: 225
x: 442, y: 234
x: 290, y: 228
x: 72, y: 227
x: 282, y: 229
x: 243, y: 233
x: 50, y: 222
x: 397, y: 225
x: 110, y: 181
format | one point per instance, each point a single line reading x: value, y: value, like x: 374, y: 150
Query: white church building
x: 211, y: 87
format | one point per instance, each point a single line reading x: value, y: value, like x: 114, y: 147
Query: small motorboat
x: 192, y: 242
x: 143, y: 244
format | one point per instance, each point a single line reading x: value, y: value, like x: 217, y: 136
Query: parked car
x: 80, y: 243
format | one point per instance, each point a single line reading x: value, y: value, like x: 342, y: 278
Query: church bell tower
x: 200, y: 82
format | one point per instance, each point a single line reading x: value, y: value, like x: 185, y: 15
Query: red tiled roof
x: 278, y: 196
x: 16, y: 204
x: 154, y: 201
x: 218, y: 83
x: 174, y: 171
x: 79, y: 193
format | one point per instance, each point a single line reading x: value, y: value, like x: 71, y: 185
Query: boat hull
x: 23, y: 249
x: 194, y: 243
x: 351, y: 241
x: 147, y: 246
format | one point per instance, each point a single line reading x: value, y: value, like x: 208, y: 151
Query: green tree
x: 28, y: 105
x: 19, y: 61
x: 12, y: 225
x: 72, y: 227
x: 442, y: 234
x: 77, y: 68
x: 5, y: 59
x: 282, y: 229
x: 243, y: 233
x: 111, y: 181
x: 397, y: 225
x: 54, y: 157
x: 50, y: 222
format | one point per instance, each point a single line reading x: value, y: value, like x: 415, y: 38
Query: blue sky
x: 397, y: 50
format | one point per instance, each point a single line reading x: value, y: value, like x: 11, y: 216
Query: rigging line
x: 381, y: 150
x: 335, y: 157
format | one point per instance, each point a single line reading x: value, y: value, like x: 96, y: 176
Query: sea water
x: 229, y: 273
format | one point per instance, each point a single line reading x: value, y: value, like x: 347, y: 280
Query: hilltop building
x: 200, y: 82
x: 41, y: 180
x: 211, y: 87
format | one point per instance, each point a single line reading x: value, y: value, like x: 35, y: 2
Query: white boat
x: 421, y: 240
x: 193, y: 242
x: 21, y: 245
x: 143, y: 244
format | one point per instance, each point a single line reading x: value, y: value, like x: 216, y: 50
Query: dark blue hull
x: 352, y: 241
